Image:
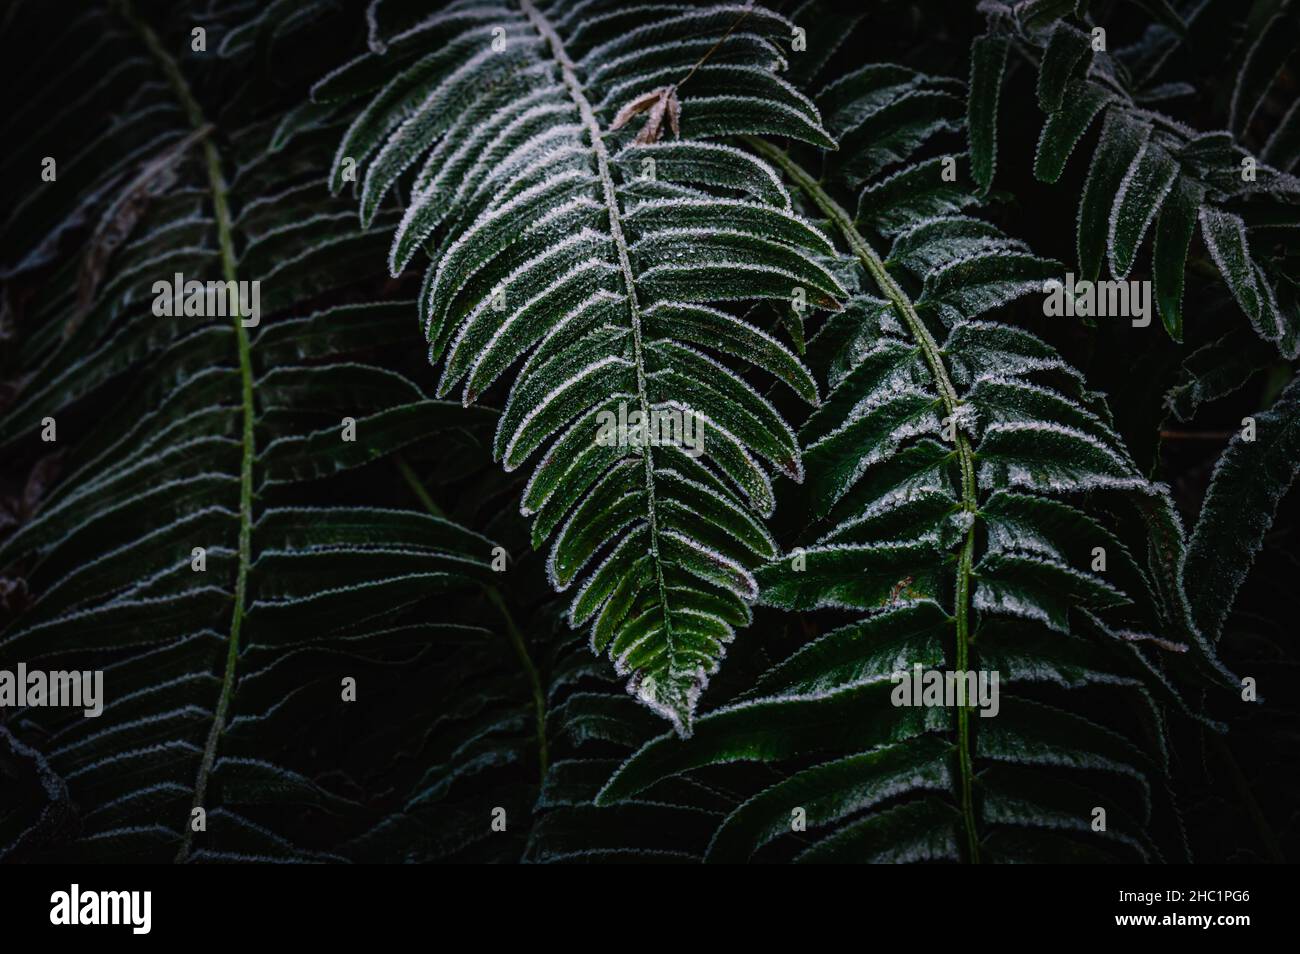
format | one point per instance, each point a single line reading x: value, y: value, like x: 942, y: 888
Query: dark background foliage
x: 505, y: 705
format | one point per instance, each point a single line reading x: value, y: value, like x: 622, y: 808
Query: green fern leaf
x: 1249, y: 481
x: 949, y: 477
x: 1149, y: 172
x: 190, y: 550
x: 607, y: 265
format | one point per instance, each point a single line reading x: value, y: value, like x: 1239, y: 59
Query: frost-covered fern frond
x: 1249, y: 482
x: 975, y: 511
x: 1150, y: 173
x: 599, y: 264
x: 182, y: 535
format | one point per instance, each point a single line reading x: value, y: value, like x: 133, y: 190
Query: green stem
x: 494, y: 595
x: 600, y: 153
x: 413, y: 481
x: 539, y: 697
x: 221, y: 210
x: 965, y: 453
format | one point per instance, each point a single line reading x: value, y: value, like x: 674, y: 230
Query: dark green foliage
x: 1149, y: 171
x: 1249, y: 482
x: 223, y: 683
x: 946, y: 486
x: 825, y: 233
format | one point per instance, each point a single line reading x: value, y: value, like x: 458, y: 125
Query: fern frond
x: 962, y: 481
x: 1151, y: 174
x: 602, y: 267
x: 189, y: 548
x: 1249, y: 481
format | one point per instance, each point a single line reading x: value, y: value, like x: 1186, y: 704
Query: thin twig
x: 749, y: 8
x: 512, y: 630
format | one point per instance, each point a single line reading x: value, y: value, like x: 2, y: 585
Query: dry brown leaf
x: 661, y: 103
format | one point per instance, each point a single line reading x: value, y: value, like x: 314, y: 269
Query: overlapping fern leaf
x: 593, y: 727
x: 1249, y: 482
x: 596, y: 264
x: 1152, y: 174
x: 972, y: 509
x: 181, y: 535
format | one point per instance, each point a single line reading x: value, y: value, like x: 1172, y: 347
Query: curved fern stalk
x: 954, y: 477
x: 1150, y: 174
x: 601, y: 268
x: 180, y: 552
x: 243, y: 557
